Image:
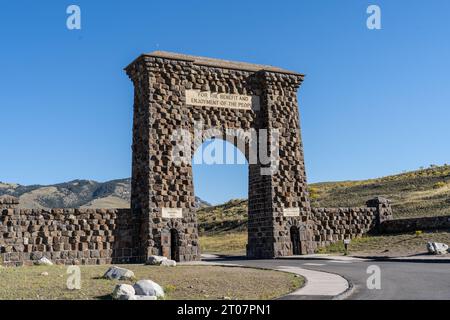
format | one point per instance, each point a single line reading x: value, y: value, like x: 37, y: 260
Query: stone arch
x: 171, y: 93
x: 304, y: 235
x: 167, y: 245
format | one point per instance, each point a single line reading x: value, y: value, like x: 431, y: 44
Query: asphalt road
x: 399, y: 280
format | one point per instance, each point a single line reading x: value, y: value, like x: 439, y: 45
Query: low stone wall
x: 68, y: 236
x: 8, y: 202
x: 335, y: 224
x: 415, y: 224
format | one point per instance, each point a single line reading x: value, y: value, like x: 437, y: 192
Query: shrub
x: 439, y: 185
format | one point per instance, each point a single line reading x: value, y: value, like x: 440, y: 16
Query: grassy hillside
x: 420, y: 193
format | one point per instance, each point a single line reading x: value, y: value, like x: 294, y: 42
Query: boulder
x: 123, y: 292
x: 169, y: 263
x: 43, y: 262
x: 155, y: 260
x: 437, y: 248
x: 148, y: 288
x: 118, y: 273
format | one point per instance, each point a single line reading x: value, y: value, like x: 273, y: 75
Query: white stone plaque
x: 291, y: 212
x: 221, y: 100
x: 172, y: 213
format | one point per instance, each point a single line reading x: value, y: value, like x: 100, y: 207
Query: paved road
x: 399, y: 280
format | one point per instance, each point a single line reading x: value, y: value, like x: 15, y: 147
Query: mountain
x: 75, y: 194
x: 420, y: 193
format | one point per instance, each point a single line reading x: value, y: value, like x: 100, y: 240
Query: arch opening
x: 174, y: 245
x: 220, y: 178
x: 295, y: 240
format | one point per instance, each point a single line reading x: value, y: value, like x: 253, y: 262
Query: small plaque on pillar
x: 291, y: 212
x: 172, y: 213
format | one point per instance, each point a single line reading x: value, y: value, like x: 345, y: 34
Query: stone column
x: 157, y: 182
x: 384, y: 210
x: 284, y: 189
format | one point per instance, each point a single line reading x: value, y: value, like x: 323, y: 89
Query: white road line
x: 340, y: 261
x: 314, y: 264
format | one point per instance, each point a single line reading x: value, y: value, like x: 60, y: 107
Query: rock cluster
x: 135, y: 292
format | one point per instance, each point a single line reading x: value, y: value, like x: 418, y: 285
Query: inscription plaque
x: 291, y: 212
x: 172, y: 213
x: 221, y: 100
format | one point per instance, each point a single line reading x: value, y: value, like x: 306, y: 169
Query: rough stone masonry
x: 175, y: 92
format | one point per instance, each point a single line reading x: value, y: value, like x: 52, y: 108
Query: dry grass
x: 181, y: 282
x: 232, y: 243
x: 390, y: 245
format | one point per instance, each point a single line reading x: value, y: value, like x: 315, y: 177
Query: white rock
x: 44, y: 273
x: 169, y: 263
x: 148, y: 288
x: 136, y: 297
x: 44, y: 262
x: 437, y: 248
x: 155, y: 260
x: 118, y: 273
x: 123, y: 292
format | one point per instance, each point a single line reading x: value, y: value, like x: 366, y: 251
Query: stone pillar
x: 384, y: 210
x: 157, y: 182
x: 280, y: 199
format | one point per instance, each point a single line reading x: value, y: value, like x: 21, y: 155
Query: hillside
x: 424, y: 192
x: 75, y: 194
x: 419, y: 193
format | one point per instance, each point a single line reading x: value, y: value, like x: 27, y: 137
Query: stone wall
x: 68, y: 236
x: 415, y: 224
x: 8, y: 202
x: 336, y: 224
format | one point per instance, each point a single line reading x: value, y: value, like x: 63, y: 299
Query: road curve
x: 398, y: 280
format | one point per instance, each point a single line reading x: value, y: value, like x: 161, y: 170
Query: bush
x: 439, y: 185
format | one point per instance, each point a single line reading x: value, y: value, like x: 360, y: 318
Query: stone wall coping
x: 219, y: 63
x: 8, y: 200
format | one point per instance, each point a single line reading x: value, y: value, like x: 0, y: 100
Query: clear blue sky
x: 374, y: 102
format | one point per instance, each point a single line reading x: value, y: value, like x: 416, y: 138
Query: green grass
x: 181, y: 282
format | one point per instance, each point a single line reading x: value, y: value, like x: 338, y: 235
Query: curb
x: 406, y: 259
x: 347, y: 293
x: 341, y: 296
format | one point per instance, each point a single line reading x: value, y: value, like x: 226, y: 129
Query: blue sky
x: 374, y: 102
